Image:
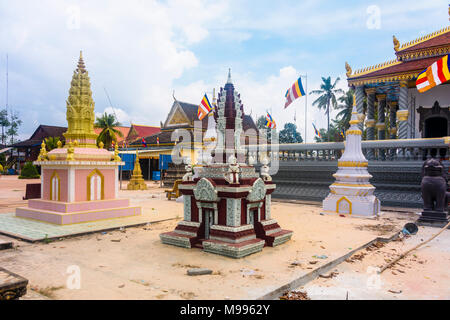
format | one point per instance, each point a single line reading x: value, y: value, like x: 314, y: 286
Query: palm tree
x: 51, y: 143
x: 109, y: 134
x: 346, y: 104
x: 327, y: 97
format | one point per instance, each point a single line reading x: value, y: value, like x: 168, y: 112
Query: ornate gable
x: 176, y: 117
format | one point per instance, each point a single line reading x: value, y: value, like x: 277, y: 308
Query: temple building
x: 391, y: 95
x: 227, y: 208
x: 80, y: 180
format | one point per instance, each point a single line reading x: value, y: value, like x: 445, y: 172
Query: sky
x: 141, y: 52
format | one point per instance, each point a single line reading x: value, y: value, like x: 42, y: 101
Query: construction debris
x: 295, y: 295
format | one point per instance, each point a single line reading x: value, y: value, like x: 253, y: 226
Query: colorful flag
x: 157, y: 140
x: 316, y: 131
x: 144, y: 144
x: 270, y: 123
x: 296, y: 91
x: 204, y: 108
x: 343, y: 133
x: 434, y: 75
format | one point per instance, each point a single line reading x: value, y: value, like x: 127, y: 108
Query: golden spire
x: 80, y: 109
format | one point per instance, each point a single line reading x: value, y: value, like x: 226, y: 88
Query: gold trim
x: 55, y: 175
x: 380, y: 126
x: 402, y: 115
x: 348, y: 201
x: 381, y: 97
x: 352, y: 164
x: 371, y: 91
x: 374, y: 68
x: 423, y: 39
x: 353, y: 185
x: 354, y: 132
x: 354, y: 121
x: 392, y: 131
x: 88, y: 184
x: 384, y: 78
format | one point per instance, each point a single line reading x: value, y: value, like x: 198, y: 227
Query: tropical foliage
x: 346, y: 106
x: 290, y: 134
x: 327, y: 97
x: 51, y: 143
x: 107, y: 122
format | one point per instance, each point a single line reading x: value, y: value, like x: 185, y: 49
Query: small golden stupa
x: 137, y: 181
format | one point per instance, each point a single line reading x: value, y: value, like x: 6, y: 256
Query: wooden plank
x: 12, y: 286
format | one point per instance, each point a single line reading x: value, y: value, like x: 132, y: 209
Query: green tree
x: 29, y: 171
x: 327, y: 98
x: 51, y: 143
x: 261, y: 125
x: 2, y: 159
x: 107, y: 122
x: 332, y: 135
x: 290, y: 134
x: 346, y: 104
x: 14, y: 124
x: 4, y: 123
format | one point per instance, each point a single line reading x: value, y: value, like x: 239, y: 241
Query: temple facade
x: 80, y: 180
x: 394, y: 107
x: 227, y: 206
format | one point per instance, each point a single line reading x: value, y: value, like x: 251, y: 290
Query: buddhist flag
x: 434, y: 75
x: 343, y: 133
x: 157, y: 140
x: 316, y: 131
x: 296, y: 91
x: 270, y: 123
x: 144, y: 144
x: 204, y: 108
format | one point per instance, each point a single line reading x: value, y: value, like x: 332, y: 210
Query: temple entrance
x: 436, y: 127
x: 253, y: 216
x: 434, y: 122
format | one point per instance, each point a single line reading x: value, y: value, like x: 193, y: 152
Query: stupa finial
x: 80, y: 109
x: 229, y: 76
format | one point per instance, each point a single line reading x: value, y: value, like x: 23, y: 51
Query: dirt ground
x: 134, y: 264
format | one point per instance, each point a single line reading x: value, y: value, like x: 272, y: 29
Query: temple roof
x: 42, y: 132
x: 140, y: 131
x: 397, y: 71
x: 411, y: 58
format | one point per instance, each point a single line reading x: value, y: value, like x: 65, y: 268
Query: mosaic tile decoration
x: 32, y: 230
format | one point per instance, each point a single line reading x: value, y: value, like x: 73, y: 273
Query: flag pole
x: 306, y: 103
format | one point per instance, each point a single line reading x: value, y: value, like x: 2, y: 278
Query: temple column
x: 403, y: 113
x: 381, y: 126
x: 370, y: 122
x: 392, y: 125
x: 359, y: 97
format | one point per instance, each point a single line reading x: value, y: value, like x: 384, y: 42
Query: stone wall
x: 397, y: 183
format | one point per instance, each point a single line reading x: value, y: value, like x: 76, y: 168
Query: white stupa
x: 352, y: 193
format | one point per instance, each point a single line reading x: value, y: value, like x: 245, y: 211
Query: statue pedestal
x: 437, y: 219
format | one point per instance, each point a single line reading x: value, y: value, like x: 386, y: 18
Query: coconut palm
x: 107, y: 122
x: 327, y: 97
x: 51, y: 143
x: 346, y: 104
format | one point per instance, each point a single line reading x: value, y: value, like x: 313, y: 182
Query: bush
x: 29, y: 171
x: 2, y: 159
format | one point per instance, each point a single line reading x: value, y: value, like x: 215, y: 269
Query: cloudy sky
x: 140, y: 51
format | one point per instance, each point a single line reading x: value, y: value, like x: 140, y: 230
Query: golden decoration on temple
x: 137, y: 181
x: 80, y: 109
x: 116, y: 153
x: 59, y: 144
x: 348, y: 68
x: 396, y: 43
x: 101, y: 145
x: 42, y: 153
x: 70, y: 152
x: 424, y: 38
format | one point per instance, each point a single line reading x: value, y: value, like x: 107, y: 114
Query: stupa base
x: 352, y: 206
x: 435, y: 219
x: 64, y: 213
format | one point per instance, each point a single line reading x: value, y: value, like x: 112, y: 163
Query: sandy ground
x: 134, y: 264
x: 423, y: 274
